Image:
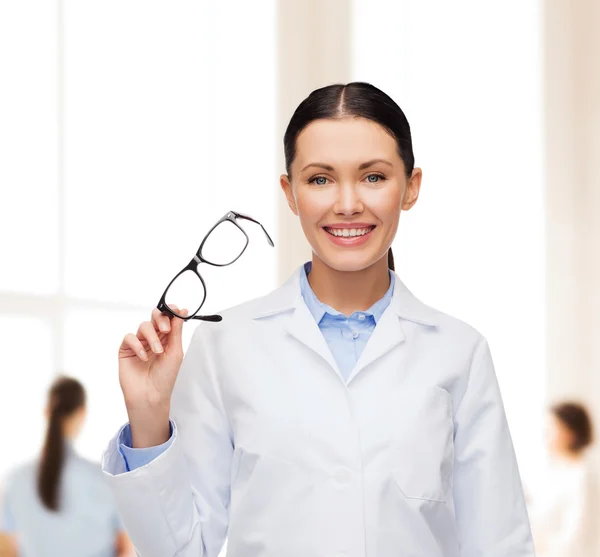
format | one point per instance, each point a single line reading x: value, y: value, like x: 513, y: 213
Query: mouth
x: 349, y: 237
x: 348, y: 232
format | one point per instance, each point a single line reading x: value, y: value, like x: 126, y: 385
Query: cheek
x: 558, y: 436
x: 384, y: 204
x: 550, y: 435
x: 313, y: 205
x: 566, y: 438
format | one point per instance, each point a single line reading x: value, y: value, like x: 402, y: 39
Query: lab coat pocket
x: 242, y: 469
x: 236, y: 464
x: 423, y: 449
x: 427, y: 491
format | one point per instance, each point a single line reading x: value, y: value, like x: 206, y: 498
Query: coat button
x: 354, y: 334
x: 343, y: 476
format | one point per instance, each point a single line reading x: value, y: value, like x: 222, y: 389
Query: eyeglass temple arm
x: 164, y: 308
x: 242, y: 216
x: 214, y: 318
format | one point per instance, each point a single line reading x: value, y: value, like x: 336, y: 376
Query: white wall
x: 468, y: 76
x: 127, y: 130
x: 314, y: 49
x: 572, y: 142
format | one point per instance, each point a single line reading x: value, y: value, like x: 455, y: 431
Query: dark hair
x: 357, y: 99
x: 66, y: 396
x: 576, y: 418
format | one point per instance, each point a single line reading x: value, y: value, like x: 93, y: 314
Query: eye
x: 316, y: 180
x: 378, y: 177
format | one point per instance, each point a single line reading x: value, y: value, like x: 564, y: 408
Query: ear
x: 413, y: 187
x: 286, y: 186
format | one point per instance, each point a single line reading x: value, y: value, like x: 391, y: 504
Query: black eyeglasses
x: 222, y: 246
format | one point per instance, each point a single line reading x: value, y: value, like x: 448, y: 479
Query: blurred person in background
x: 562, y: 503
x: 59, y: 505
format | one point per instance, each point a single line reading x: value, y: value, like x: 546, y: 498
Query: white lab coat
x: 412, y: 457
x: 564, y: 509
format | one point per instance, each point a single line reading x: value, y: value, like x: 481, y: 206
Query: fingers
x: 176, y: 329
x: 161, y: 321
x: 162, y: 331
x: 131, y: 342
x: 148, y: 333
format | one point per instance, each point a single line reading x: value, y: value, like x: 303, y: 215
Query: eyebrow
x: 361, y: 167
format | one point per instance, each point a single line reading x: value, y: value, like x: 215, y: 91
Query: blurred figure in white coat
x: 562, y: 505
x: 59, y: 505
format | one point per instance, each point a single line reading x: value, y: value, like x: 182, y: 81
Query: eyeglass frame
x: 230, y: 216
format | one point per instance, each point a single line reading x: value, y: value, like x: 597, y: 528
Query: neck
x: 568, y: 456
x: 349, y: 291
x: 70, y: 429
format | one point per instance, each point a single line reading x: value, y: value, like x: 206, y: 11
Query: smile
x: 348, y: 232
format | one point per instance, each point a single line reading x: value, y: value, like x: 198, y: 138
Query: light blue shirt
x: 87, y: 523
x: 345, y: 336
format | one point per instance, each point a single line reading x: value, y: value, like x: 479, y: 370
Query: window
x: 29, y: 142
x: 124, y: 149
x: 27, y: 368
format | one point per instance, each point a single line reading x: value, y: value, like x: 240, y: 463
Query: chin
x: 349, y: 262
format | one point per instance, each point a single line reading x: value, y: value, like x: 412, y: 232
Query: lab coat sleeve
x: 176, y: 505
x: 7, y: 521
x: 491, y: 515
x: 136, y: 458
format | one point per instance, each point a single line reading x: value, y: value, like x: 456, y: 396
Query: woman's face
x: 348, y: 185
x: 558, y: 436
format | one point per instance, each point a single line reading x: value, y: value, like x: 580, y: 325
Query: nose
x: 348, y: 201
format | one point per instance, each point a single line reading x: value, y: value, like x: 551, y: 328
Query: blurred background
x: 128, y: 128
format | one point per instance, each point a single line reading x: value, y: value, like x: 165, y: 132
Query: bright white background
x: 468, y: 76
x: 130, y: 127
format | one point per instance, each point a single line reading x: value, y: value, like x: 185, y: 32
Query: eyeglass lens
x: 225, y: 243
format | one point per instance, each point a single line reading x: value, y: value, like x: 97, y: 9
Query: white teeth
x: 346, y: 232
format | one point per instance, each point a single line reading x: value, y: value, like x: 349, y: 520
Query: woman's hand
x: 149, y: 362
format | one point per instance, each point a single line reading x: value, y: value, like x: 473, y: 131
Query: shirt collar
x: 319, y: 309
x: 288, y: 298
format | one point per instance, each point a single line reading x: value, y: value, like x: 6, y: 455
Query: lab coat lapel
x: 388, y: 332
x: 387, y: 335
x: 301, y: 324
x: 303, y: 327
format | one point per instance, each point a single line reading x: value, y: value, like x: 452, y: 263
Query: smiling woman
x: 338, y: 415
x: 355, y: 129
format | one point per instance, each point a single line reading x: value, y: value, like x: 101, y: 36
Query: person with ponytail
x: 338, y: 415
x: 59, y: 504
